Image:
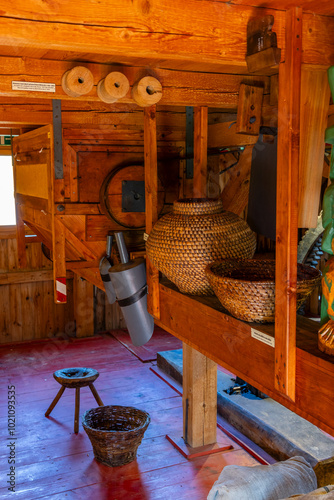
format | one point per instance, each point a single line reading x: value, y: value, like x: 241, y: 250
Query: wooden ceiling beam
x: 160, y: 31
x: 194, y: 36
x: 179, y: 87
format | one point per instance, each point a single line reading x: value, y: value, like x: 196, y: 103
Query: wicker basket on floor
x: 246, y: 288
x: 115, y: 432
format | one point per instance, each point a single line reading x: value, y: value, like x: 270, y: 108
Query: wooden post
x: 287, y: 206
x: 199, y: 372
x: 83, y: 307
x: 59, y: 262
x: 200, y: 151
x: 20, y: 239
x: 151, y: 203
x: 199, y: 398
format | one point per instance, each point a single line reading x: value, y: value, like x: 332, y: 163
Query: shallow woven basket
x: 246, y: 288
x: 198, y: 232
x: 115, y: 432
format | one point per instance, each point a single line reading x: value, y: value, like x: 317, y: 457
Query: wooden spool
x: 111, y: 196
x: 113, y: 87
x: 77, y: 81
x: 147, y: 91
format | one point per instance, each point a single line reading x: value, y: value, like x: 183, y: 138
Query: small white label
x: 145, y: 236
x: 263, y: 337
x: 34, y: 86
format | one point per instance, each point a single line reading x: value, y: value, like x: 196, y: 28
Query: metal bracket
x: 133, y: 196
x: 57, y: 139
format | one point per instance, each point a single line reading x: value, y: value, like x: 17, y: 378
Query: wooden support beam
x: 287, y: 206
x: 225, y: 135
x: 199, y: 398
x: 236, y: 187
x: 28, y: 277
x: 151, y: 202
x: 199, y: 372
x: 191, y: 36
x: 20, y: 238
x: 249, y: 110
x: 315, y: 93
x: 83, y: 299
x: 178, y: 87
x: 234, y: 345
x: 200, y: 152
x: 59, y: 264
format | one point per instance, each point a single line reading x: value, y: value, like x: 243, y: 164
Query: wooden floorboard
x: 160, y: 341
x: 54, y: 463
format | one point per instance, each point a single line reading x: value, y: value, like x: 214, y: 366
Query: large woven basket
x: 246, y: 288
x: 198, y: 232
x: 115, y: 432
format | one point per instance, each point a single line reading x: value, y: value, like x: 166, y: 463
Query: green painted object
x: 330, y: 74
x: 327, y: 300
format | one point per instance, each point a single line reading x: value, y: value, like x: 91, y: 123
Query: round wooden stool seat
x: 75, y: 378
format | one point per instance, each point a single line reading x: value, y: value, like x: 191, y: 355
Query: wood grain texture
x: 83, y: 307
x: 199, y: 398
x: 28, y: 311
x: 159, y: 471
x: 225, y: 135
x: 179, y: 87
x: 200, y: 152
x: 58, y: 254
x: 287, y: 206
x: 315, y: 94
x: 151, y: 203
x: 236, y: 183
x: 136, y: 32
x: 230, y: 344
x: 249, y: 110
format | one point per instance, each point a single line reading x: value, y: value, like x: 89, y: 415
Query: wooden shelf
x: 202, y: 323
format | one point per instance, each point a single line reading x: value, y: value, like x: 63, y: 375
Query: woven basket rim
x: 145, y: 423
x: 265, y: 281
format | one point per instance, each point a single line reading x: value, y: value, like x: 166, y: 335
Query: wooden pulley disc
x: 122, y: 196
x: 77, y: 81
x: 113, y: 87
x: 147, y: 91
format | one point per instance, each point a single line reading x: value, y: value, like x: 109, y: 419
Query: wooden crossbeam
x: 190, y: 35
x: 180, y: 88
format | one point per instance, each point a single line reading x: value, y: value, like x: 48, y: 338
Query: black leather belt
x: 133, y: 298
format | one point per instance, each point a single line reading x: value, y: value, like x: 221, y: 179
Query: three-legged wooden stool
x: 75, y: 378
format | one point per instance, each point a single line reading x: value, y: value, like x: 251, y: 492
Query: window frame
x: 7, y: 231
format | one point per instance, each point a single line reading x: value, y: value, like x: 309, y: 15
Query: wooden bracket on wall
x: 249, y: 110
x: 263, y: 55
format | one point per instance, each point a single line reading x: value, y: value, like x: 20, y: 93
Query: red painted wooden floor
x: 53, y: 462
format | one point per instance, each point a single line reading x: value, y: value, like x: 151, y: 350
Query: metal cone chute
x: 126, y: 283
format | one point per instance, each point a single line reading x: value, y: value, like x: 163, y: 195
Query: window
x: 7, y: 204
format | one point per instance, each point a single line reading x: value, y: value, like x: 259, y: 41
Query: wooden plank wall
x: 28, y: 311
